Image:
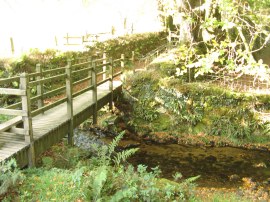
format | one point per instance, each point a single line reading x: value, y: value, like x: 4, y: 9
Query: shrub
x: 9, y: 175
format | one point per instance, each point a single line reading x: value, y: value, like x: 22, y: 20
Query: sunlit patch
x: 43, y: 24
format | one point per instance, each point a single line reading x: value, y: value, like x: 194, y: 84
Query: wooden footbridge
x: 64, y: 98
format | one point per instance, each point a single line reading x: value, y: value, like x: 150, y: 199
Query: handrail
x: 82, y: 70
x: 82, y: 81
x: 81, y: 64
x: 47, y: 107
x: 93, y: 73
x: 52, y: 78
x: 9, y: 80
x: 10, y: 91
x: 52, y: 71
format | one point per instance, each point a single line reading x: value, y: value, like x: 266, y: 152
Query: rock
x: 86, y: 140
x: 210, y: 158
x: 234, y: 177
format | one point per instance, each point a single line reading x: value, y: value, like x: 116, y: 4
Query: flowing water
x: 217, y: 166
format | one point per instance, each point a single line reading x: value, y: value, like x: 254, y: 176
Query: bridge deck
x: 50, y: 127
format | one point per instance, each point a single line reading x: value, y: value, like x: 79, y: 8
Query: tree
x: 223, y: 35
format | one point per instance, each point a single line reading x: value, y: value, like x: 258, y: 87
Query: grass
x: 4, y: 118
x: 50, y: 185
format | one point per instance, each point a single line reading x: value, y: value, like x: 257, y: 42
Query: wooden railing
x: 173, y: 37
x: 64, y: 82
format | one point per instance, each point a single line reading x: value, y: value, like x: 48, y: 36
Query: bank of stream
x: 219, y: 167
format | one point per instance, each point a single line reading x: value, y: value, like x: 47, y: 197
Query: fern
x: 266, y: 128
x: 124, y: 155
x: 9, y: 175
x: 100, y: 177
x: 114, y: 143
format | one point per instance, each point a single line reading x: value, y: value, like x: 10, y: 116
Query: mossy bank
x: 165, y: 108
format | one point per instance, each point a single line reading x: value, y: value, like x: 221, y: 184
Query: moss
x: 162, y: 123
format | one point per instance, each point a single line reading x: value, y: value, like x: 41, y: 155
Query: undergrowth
x: 10, y: 176
x: 196, y: 108
x: 104, y: 176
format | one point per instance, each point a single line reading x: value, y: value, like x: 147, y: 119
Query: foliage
x: 141, y: 44
x: 4, y: 118
x: 50, y: 58
x: 106, y: 155
x: 102, y: 177
x: 10, y: 175
x: 224, y: 36
x: 49, y: 185
x: 183, y: 105
x: 143, y: 87
x: 194, y: 108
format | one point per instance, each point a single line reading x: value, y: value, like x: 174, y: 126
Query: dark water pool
x: 218, y: 167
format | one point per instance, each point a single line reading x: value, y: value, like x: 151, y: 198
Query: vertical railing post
x: 69, y: 101
x: 111, y: 84
x: 104, y: 68
x: 90, y: 71
x: 39, y: 86
x: 67, y: 39
x: 122, y: 62
x: 170, y: 37
x: 133, y: 61
x: 12, y: 46
x: 27, y: 118
x: 55, y: 40
x: 94, y: 95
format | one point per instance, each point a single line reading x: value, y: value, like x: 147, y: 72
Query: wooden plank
x: 47, y: 107
x: 39, y: 87
x: 103, y: 81
x: 18, y: 131
x: 94, y: 94
x: 81, y: 64
x: 11, y: 147
x: 12, y: 112
x: 11, y: 140
x: 102, y: 73
x: 8, y: 124
x: 27, y: 119
x: 14, y: 106
x: 82, y: 80
x: 117, y: 74
x: 49, y: 79
x: 81, y: 71
x: 82, y: 91
x: 111, y: 83
x: 9, y: 80
x: 53, y: 71
x: 11, y: 91
x: 52, y: 93
x: 69, y: 92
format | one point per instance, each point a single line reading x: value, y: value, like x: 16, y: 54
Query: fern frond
x: 192, y: 179
x: 114, y: 143
x: 124, y: 155
x: 266, y: 128
x: 99, y: 181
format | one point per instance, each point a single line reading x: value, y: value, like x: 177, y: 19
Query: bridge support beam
x: 27, y: 119
x: 69, y: 103
x: 94, y: 96
x: 111, y: 84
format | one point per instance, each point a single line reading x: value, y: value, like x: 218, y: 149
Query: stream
x: 219, y: 167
